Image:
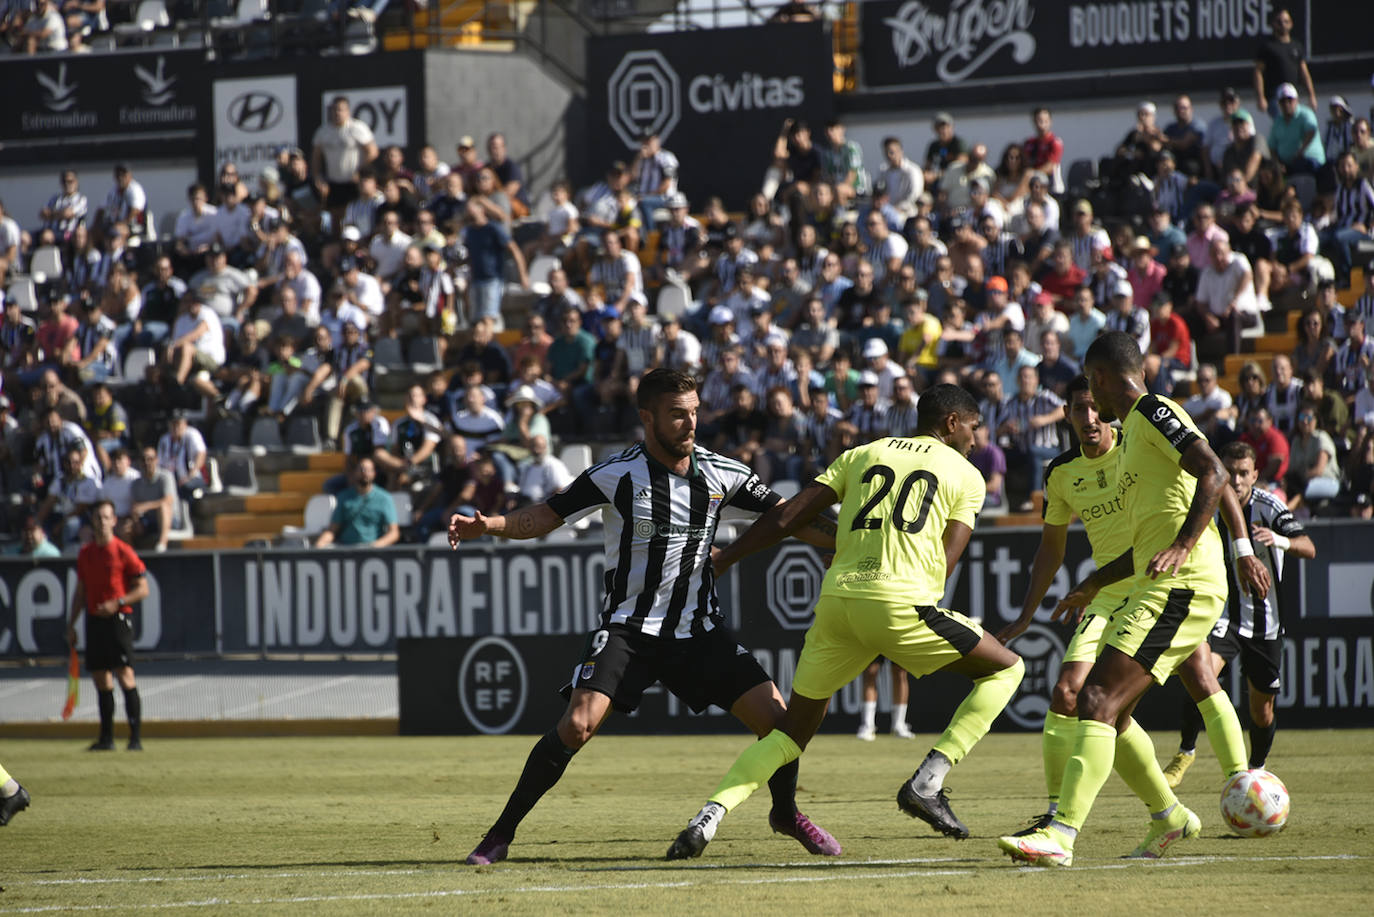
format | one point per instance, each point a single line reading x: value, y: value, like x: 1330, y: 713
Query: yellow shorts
x: 848, y: 633
x: 1086, y: 642
x: 1162, y: 623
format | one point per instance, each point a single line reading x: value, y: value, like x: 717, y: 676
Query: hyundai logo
x: 255, y: 112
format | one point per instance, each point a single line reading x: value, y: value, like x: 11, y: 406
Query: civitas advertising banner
x: 112, y: 101
x: 704, y: 93
x: 976, y: 50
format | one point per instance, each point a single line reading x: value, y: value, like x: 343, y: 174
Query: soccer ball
x: 1254, y: 803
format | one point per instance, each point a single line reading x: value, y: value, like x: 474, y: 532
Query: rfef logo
x: 493, y: 685
x: 643, y: 96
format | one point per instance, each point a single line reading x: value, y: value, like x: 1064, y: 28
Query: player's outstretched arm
x: 783, y: 519
x: 1297, y: 545
x: 1048, y: 558
x: 527, y: 522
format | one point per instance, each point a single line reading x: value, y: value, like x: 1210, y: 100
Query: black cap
x: 179, y: 414
x: 1229, y: 94
x: 216, y: 249
x: 731, y: 231
x: 122, y: 167
x: 347, y: 264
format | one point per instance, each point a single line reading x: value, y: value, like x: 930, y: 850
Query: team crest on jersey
x: 587, y: 669
x: 714, y: 503
x: 1101, y: 479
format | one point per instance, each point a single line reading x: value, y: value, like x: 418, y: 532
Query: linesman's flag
x: 73, y: 685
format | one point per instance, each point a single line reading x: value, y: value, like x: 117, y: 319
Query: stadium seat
x: 674, y: 299
x: 539, y: 271
x: 228, y: 433
x: 266, y: 434
x: 400, y: 499
x: 387, y: 356
x: 1082, y: 172
x: 23, y: 291
x: 136, y: 363
x: 318, y: 512
x: 303, y: 435
x: 423, y: 355
x: 181, y: 523
x: 240, y: 475
x: 46, y: 263
x: 577, y: 456
x: 150, y: 15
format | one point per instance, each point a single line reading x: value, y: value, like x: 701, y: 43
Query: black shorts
x: 342, y: 193
x: 1259, y: 658
x: 711, y: 669
x: 109, y: 642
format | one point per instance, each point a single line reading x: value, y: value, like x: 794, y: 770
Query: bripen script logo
x: 255, y: 112
x: 58, y: 94
x: 643, y: 96
x: 964, y: 38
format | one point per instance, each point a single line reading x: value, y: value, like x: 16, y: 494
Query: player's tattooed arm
x: 527, y: 522
x: 821, y: 531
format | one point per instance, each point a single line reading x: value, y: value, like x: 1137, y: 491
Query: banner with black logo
x: 122, y: 103
x: 706, y: 93
x: 977, y: 50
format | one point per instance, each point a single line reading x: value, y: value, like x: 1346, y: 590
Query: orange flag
x: 73, y: 685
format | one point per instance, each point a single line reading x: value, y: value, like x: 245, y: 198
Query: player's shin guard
x: 1094, y: 750
x: 1136, y: 763
x: 973, y: 718
x: 543, y: 768
x: 1261, y: 740
x: 758, y: 762
x: 1224, y: 732
x: 1056, y: 745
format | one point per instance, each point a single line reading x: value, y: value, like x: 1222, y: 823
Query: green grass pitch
x: 381, y: 825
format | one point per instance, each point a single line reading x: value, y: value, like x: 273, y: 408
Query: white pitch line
x: 277, y: 699
x: 626, y: 886
x: 460, y: 892
x: 220, y: 878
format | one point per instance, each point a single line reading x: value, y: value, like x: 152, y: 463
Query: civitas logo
x: 157, y: 87
x: 1042, y: 651
x: 643, y: 96
x: 793, y: 585
x: 963, y: 38
x: 493, y: 685
x: 255, y: 112
x: 58, y: 94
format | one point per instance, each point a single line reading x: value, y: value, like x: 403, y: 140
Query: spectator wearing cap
x: 1145, y: 273
x: 867, y: 416
x: 722, y: 335
x: 1124, y: 315
x: 955, y: 183
x: 946, y: 149
x: 598, y: 206
x: 1247, y: 150
x: 982, y: 204
x: 1279, y: 61
x: 1165, y: 236
x: 654, y: 173
x: 1085, y: 238
x: 469, y: 163
x: 1339, y: 133
x: 1294, y: 137
x: 1186, y: 135
x: 1136, y: 153
x: 1045, y: 151
x: 902, y: 178
x: 680, y: 240
x: 757, y: 334
x: 1218, y: 135
x: 878, y: 360
x: 681, y: 349
x: 728, y: 265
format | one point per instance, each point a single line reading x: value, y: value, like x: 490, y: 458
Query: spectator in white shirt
x: 181, y: 450
x: 388, y: 248
x: 1225, y: 300
x: 197, y: 344
x: 360, y: 289
x: 1211, y: 407
x: 903, y: 178
x: 196, y: 226
x: 539, y: 476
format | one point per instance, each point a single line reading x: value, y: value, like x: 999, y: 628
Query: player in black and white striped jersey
x: 925, y: 250
x: 67, y: 209
x: 661, y: 620
x: 1250, y: 628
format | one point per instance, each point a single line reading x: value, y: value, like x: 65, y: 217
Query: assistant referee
x: 110, y: 578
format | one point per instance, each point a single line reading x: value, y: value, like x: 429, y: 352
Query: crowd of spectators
x: 814, y: 319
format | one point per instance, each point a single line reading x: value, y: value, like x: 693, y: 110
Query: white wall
x: 26, y: 189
